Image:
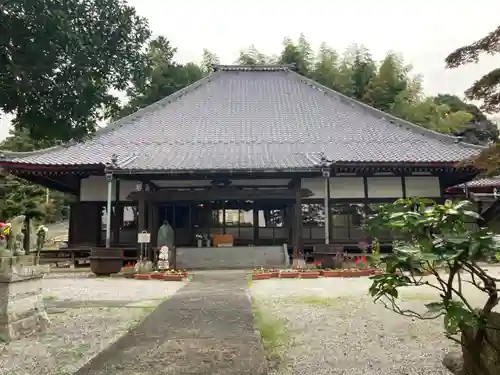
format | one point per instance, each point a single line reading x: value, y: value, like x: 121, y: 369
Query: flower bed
x: 289, y: 274
x: 275, y: 273
x: 157, y: 276
x: 309, y: 274
x: 173, y: 277
x: 142, y: 276
x: 355, y: 272
x: 261, y: 276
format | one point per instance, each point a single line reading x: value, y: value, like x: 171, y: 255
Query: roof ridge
x: 254, y: 68
x: 384, y: 115
x: 115, y: 124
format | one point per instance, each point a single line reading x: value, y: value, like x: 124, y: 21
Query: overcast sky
x: 423, y: 31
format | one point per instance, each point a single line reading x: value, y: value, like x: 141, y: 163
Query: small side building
x: 259, y: 153
x: 485, y: 194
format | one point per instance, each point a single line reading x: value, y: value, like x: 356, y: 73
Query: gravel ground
x: 333, y: 327
x: 77, y: 333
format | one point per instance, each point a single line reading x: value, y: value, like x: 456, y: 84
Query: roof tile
x: 250, y: 118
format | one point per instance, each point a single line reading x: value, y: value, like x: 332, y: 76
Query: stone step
x: 231, y: 257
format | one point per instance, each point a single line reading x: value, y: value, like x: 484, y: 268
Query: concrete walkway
x: 204, y: 329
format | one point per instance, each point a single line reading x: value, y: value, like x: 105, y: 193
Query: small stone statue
x: 163, y: 263
x: 41, y: 235
x: 13, y: 237
x: 16, y: 237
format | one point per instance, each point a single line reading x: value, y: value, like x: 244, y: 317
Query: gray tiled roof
x: 255, y: 118
x: 481, y: 183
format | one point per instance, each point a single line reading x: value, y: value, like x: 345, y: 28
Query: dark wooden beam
x: 63, y: 185
x: 151, y: 184
x: 218, y: 194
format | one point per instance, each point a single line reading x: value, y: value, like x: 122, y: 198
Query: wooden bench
x: 68, y: 255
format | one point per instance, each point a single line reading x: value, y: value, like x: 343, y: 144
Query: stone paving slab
x: 206, y: 328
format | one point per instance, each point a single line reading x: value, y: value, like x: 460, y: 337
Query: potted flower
x: 355, y: 272
x: 330, y: 272
x: 289, y: 274
x: 142, y: 276
x: 260, y: 274
x: 275, y: 272
x: 199, y: 239
x: 143, y: 270
x: 173, y: 275
x: 129, y: 271
x: 156, y: 275
x: 308, y: 273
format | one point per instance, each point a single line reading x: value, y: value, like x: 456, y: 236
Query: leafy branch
x: 435, y: 238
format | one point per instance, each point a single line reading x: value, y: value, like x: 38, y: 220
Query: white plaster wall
x: 422, y: 186
x: 347, y: 187
x: 95, y: 188
x: 385, y: 187
x: 316, y: 185
x: 340, y: 187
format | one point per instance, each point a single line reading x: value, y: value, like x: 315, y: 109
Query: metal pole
x: 327, y: 214
x: 109, y: 178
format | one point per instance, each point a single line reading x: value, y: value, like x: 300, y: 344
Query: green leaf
x: 472, y: 214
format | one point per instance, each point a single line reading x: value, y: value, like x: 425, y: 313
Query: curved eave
x: 13, y: 166
x: 339, y: 166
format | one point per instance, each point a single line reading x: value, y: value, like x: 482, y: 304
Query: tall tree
x: 480, y: 129
x: 363, y: 71
x: 387, y: 84
x: 20, y: 197
x: 487, y: 88
x: 251, y: 56
x: 208, y: 61
x: 300, y: 54
x: 326, y: 68
x: 60, y: 59
x: 162, y: 77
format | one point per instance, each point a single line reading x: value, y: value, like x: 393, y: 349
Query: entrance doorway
x: 178, y: 216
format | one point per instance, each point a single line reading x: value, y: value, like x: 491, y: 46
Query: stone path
x: 206, y: 328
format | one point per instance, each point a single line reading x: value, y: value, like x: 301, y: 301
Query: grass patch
x: 79, y: 352
x: 320, y: 301
x: 49, y: 298
x: 273, y: 335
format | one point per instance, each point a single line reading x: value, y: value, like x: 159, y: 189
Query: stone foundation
x: 22, y: 311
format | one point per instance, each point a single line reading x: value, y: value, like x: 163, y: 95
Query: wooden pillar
x: 150, y: 230
x: 255, y: 223
x: 297, y: 228
x: 117, y: 214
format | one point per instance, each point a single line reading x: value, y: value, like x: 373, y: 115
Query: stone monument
x: 22, y: 311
